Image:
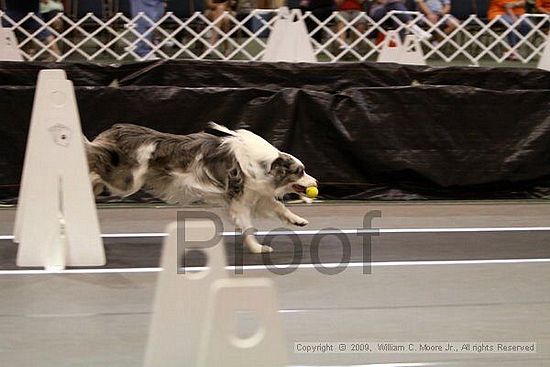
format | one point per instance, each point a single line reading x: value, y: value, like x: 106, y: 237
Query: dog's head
x: 261, y: 162
x: 288, y: 175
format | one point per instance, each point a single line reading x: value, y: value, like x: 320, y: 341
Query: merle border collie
x: 236, y: 168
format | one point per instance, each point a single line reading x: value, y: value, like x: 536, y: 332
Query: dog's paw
x: 301, y: 223
x: 267, y: 249
x: 255, y: 247
x: 306, y: 200
x: 297, y: 220
x: 259, y: 249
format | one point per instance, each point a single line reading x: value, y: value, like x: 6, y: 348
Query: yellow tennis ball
x: 312, y: 192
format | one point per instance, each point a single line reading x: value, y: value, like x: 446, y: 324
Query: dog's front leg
x: 285, y: 215
x: 241, y: 215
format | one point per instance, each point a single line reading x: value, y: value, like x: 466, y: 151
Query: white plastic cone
x: 181, y: 300
x: 407, y: 53
x: 9, y: 50
x: 544, y: 62
x: 222, y: 346
x: 56, y: 221
x: 289, y: 40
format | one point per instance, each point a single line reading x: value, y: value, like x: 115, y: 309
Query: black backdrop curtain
x: 366, y: 131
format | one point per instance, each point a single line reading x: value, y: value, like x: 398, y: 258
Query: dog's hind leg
x: 97, y: 183
x: 254, y: 246
x: 241, y: 215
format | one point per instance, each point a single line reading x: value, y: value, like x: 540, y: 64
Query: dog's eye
x: 300, y: 171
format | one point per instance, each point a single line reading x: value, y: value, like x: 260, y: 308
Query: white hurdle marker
x: 194, y: 314
x: 407, y: 53
x: 180, y: 299
x: 56, y: 223
x: 9, y: 49
x: 544, y: 62
x: 289, y: 40
x: 220, y: 344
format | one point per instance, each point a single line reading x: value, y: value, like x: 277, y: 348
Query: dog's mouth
x: 299, y: 189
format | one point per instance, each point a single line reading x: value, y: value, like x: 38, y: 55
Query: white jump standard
x: 56, y: 223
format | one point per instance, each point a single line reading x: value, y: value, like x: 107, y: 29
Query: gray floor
x: 422, y: 287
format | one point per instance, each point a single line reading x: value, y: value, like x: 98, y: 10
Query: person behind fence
x: 400, y: 20
x: 352, y: 12
x: 530, y: 6
x: 16, y: 10
x: 543, y: 6
x: 49, y: 10
x: 435, y: 10
x: 508, y: 13
x: 215, y: 11
x: 320, y: 10
x: 152, y: 11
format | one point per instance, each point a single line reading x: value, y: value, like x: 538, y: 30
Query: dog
x: 217, y: 166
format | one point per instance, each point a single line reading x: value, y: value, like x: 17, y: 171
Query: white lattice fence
x: 244, y: 37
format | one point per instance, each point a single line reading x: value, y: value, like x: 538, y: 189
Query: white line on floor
x: 339, y: 231
x: 403, y: 364
x: 300, y: 266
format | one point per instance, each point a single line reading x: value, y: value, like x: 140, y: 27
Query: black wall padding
x: 366, y: 131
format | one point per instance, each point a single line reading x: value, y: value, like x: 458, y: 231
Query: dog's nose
x: 312, y: 181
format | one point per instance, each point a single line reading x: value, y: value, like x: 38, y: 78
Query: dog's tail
x: 218, y: 130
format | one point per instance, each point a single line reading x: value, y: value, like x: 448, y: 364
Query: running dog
x: 237, y: 168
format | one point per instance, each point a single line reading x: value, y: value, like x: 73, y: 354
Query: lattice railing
x: 474, y: 40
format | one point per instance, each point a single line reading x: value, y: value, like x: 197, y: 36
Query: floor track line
x: 301, y: 266
x: 373, y: 231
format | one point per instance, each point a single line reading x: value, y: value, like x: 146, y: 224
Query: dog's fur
x: 218, y: 165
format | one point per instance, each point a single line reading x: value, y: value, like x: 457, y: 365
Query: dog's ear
x: 280, y: 166
x: 218, y: 130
